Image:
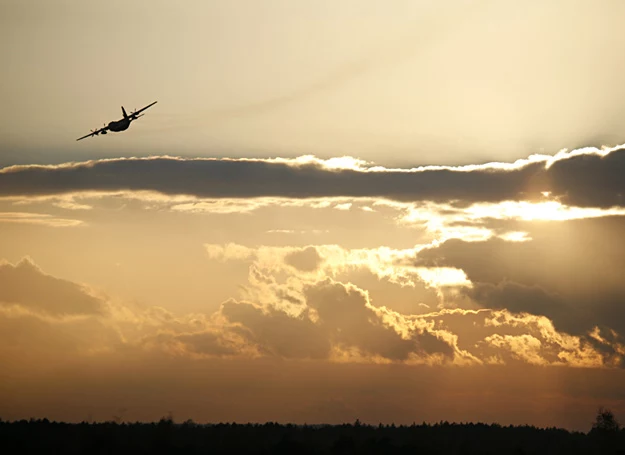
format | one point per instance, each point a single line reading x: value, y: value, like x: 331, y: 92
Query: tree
x: 605, y: 422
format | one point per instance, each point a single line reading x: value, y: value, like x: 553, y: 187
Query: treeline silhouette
x: 166, y: 436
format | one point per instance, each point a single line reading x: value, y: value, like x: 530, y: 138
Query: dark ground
x: 165, y: 436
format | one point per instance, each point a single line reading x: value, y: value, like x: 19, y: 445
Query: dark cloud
x: 347, y: 320
x: 587, y: 179
x: 574, y: 256
x: 519, y: 298
x: 277, y: 333
x: 25, y: 284
x: 570, y: 272
x: 343, y: 320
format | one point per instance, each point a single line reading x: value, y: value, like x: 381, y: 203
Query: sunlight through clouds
x: 443, y: 276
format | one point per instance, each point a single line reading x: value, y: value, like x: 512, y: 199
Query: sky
x: 335, y: 211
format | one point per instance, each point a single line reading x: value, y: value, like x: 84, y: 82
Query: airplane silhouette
x: 119, y: 125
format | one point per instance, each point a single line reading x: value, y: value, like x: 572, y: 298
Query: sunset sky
x: 338, y: 210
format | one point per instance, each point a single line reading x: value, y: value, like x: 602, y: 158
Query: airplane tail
x: 124, y: 112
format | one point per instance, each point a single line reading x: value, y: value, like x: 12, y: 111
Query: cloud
x: 210, y: 343
x: 349, y: 317
x: 518, y: 298
x: 301, y: 303
x: 534, y: 339
x: 35, y: 339
x: 561, y: 286
x: 525, y: 347
x: 571, y: 273
x: 44, y: 319
x: 320, y: 261
x: 337, y: 322
x: 301, y: 317
x: 276, y: 333
x: 292, y: 231
x: 24, y: 284
x: 345, y: 206
x: 443, y: 276
x: 586, y: 177
x: 337, y: 318
x: 230, y: 251
x: 37, y: 219
x: 39, y: 312
x: 306, y: 260
x: 357, y: 329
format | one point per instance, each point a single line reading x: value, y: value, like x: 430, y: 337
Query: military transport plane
x: 119, y: 125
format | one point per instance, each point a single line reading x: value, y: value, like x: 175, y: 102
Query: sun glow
x: 443, y: 276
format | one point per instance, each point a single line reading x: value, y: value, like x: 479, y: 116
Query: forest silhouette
x: 43, y: 436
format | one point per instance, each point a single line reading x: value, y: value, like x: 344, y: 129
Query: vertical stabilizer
x: 124, y: 112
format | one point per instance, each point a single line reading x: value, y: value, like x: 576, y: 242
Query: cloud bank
x: 586, y: 177
x: 302, y: 316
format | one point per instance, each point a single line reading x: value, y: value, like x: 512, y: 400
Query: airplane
x: 119, y: 125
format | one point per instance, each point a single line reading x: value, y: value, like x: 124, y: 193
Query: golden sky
x: 337, y: 210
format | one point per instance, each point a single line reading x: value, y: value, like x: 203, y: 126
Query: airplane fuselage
x: 119, y: 125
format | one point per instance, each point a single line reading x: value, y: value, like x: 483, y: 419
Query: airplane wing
x: 94, y: 132
x: 134, y: 115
